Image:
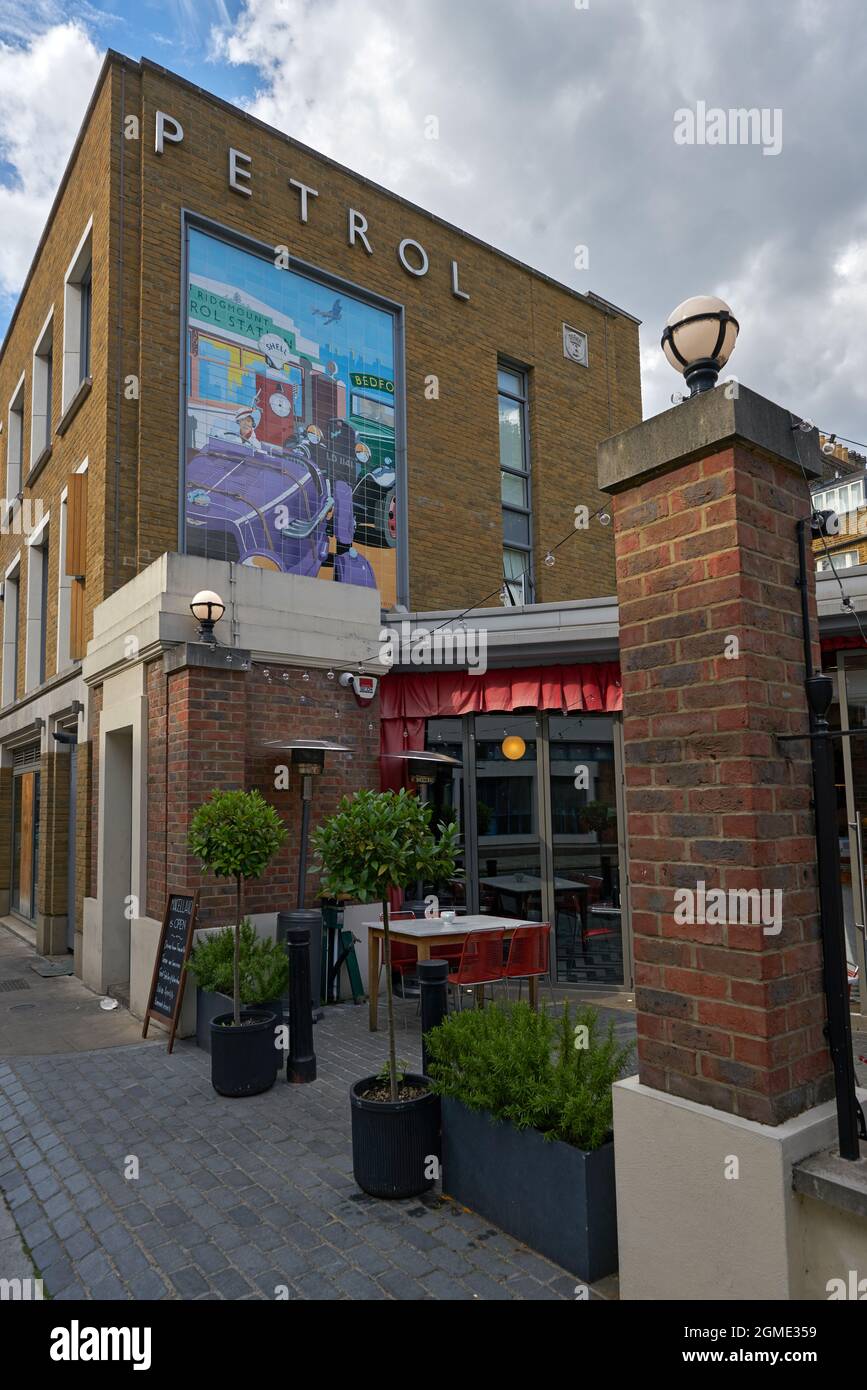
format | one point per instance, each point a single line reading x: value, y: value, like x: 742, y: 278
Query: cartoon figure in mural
x: 246, y: 420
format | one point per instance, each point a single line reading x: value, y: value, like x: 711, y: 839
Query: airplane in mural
x: 332, y: 315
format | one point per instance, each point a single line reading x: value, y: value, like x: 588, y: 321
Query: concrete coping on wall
x: 213, y: 656
x: 702, y: 424
x: 840, y: 1182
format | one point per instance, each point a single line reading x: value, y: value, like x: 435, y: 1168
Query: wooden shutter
x: 76, y: 560
x: 76, y: 524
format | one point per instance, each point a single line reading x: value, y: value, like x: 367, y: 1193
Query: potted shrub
x: 235, y: 835
x: 376, y: 842
x: 264, y: 973
x: 526, y: 1127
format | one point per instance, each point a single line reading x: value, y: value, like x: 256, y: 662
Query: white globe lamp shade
x: 699, y: 339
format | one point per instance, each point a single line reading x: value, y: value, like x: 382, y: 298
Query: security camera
x: 825, y: 523
x: 363, y: 687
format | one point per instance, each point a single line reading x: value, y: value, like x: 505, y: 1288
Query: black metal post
x: 819, y: 693
x: 301, y: 1065
x: 306, y: 798
x: 432, y: 977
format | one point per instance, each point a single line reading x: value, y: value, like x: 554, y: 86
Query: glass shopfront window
x: 446, y: 798
x: 586, y: 852
x: 509, y: 848
x: 536, y: 799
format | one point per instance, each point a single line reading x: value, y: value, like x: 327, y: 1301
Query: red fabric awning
x: 842, y: 643
x: 406, y: 701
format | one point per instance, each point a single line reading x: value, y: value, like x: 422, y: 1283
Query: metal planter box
x: 557, y: 1199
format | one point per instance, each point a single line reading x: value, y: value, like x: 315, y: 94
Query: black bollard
x: 301, y: 1065
x: 310, y: 917
x: 432, y: 976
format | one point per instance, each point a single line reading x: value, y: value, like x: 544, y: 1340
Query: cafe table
x: 425, y: 932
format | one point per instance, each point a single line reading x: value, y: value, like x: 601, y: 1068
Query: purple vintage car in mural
x: 271, y: 507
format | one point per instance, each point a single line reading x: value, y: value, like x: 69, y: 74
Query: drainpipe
x: 838, y: 1028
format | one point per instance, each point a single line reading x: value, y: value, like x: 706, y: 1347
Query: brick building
x: 236, y: 365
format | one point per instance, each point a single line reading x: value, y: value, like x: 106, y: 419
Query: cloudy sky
x: 557, y: 125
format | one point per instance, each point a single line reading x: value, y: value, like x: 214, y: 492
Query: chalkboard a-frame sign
x: 169, y: 977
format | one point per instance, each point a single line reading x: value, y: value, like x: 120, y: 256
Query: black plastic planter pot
x: 394, y: 1141
x: 557, y: 1199
x: 243, y: 1060
x: 209, y: 1004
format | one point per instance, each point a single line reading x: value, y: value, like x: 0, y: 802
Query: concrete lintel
x: 701, y: 425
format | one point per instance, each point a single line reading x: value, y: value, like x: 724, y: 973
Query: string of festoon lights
x: 602, y: 515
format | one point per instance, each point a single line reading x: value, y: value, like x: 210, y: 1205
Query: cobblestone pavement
x: 234, y: 1198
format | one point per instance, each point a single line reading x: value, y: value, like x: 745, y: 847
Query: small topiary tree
x: 374, y: 842
x: 235, y: 835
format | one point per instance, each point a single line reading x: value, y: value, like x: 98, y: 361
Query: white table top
x: 435, y: 926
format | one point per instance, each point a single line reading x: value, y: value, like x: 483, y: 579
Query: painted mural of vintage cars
x: 272, y: 507
x: 301, y: 403
x: 348, y: 458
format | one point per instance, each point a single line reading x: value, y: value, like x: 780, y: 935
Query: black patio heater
x: 308, y: 759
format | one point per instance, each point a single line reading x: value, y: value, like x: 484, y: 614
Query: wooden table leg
x: 533, y: 983
x: 373, y: 977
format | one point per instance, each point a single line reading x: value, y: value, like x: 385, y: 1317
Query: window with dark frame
x: 515, y: 484
x: 86, y: 291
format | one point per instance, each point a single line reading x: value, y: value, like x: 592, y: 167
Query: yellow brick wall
x: 86, y: 195
x: 455, y: 517
x: 853, y: 536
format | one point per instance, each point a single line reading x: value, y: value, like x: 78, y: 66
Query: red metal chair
x: 481, y: 962
x: 404, y: 957
x: 528, y: 957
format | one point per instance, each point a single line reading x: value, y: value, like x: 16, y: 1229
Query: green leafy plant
x: 235, y: 835
x: 263, y: 965
x: 374, y: 842
x: 534, y: 1071
x: 594, y: 817
x: 384, y: 1075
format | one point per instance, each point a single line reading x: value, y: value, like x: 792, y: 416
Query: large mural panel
x: 290, y: 448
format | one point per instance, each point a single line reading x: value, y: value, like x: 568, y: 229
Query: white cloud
x: 348, y: 79
x: 45, y: 84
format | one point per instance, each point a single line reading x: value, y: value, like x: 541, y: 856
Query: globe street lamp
x: 699, y: 339
x: 207, y: 608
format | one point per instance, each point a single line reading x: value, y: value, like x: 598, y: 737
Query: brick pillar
x: 205, y: 721
x: 706, y: 499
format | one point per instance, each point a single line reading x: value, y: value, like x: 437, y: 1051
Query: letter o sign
x: 422, y: 254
